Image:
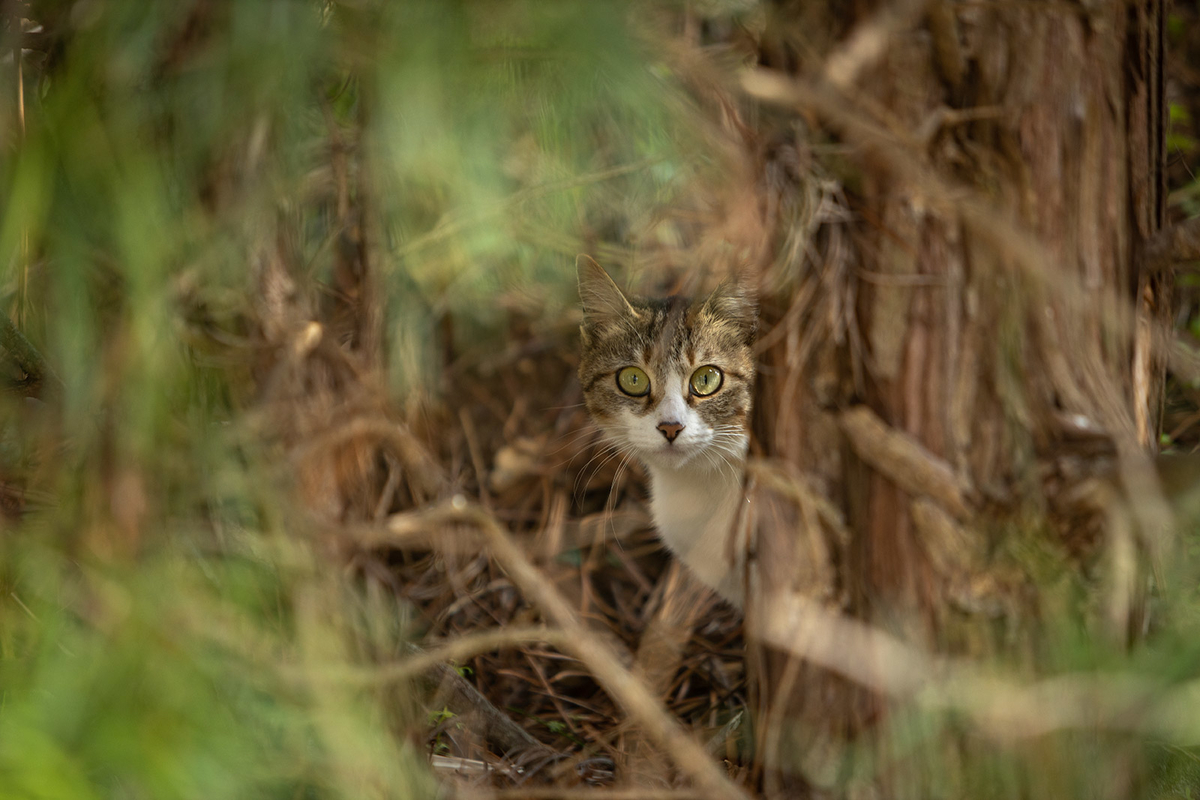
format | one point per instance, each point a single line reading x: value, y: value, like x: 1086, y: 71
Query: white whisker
x: 607, y: 452
x: 610, y: 505
x: 573, y: 438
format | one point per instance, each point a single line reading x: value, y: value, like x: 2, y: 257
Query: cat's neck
x: 695, y: 508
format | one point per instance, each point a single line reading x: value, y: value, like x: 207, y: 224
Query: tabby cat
x: 669, y: 381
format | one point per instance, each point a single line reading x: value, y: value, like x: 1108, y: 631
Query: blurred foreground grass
x: 159, y: 602
x: 184, y: 677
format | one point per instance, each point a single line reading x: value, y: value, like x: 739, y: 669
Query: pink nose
x: 670, y: 430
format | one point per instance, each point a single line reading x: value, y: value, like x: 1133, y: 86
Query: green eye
x: 633, y: 382
x: 706, y: 380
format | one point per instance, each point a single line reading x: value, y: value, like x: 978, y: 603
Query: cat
x: 669, y: 381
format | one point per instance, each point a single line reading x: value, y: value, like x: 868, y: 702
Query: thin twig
x: 597, y: 654
x: 461, y: 696
x: 461, y: 648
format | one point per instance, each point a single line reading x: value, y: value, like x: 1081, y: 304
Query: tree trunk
x: 994, y: 334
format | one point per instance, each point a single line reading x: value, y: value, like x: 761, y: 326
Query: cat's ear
x: 603, y: 302
x: 734, y: 302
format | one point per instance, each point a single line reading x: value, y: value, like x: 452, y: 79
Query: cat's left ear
x: 734, y: 301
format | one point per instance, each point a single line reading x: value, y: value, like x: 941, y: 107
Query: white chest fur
x: 695, y: 510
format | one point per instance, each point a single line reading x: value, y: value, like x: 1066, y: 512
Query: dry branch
x: 998, y: 707
x: 423, y: 473
x: 457, y: 693
x: 867, y: 43
x: 660, y: 652
x: 785, y: 480
x: 461, y: 648
x: 904, y: 462
x: 596, y: 653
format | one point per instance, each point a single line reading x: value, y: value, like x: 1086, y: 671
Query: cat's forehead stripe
x: 667, y: 332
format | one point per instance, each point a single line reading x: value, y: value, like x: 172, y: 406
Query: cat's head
x: 668, y: 380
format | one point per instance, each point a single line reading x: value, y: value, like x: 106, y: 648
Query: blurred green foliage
x: 170, y: 681
x: 157, y: 628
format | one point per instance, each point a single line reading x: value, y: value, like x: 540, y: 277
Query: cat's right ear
x: 603, y: 301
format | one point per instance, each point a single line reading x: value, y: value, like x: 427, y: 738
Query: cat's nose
x: 670, y: 430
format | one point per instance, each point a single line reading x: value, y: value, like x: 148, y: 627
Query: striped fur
x: 696, y: 477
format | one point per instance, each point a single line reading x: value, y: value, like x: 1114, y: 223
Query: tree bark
x: 959, y: 346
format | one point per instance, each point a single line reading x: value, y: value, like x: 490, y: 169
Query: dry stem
x: 998, y: 707
x: 595, y: 652
x: 904, y: 462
